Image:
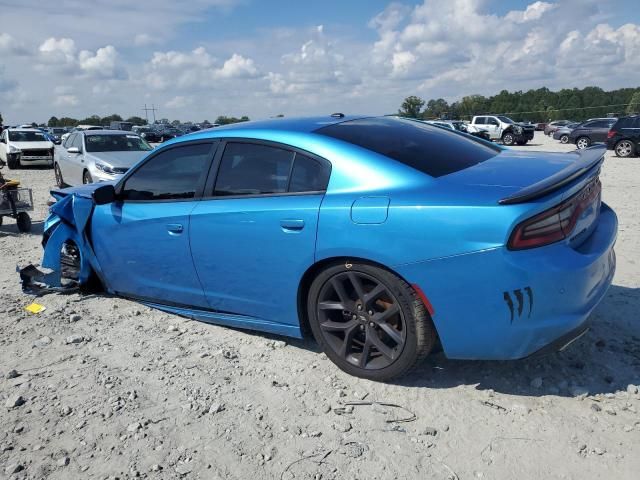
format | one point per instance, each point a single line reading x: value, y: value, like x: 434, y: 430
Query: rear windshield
x: 431, y: 150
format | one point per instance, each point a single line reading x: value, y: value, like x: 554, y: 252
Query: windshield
x: 18, y: 136
x: 505, y: 119
x: 116, y: 143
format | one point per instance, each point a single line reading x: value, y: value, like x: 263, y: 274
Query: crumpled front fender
x: 68, y: 221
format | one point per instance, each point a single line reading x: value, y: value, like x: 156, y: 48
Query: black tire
x: 23, y: 220
x: 564, y: 138
x: 387, y: 315
x: 86, y: 177
x: 58, y: 174
x: 13, y: 164
x: 508, y: 138
x: 1, y: 220
x: 624, y: 149
x: 583, y: 142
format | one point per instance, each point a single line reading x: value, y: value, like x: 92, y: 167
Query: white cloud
x: 144, y: 40
x: 178, y: 102
x: 237, y: 67
x: 10, y: 46
x: 66, y: 101
x: 58, y: 50
x: 533, y: 12
x: 101, y: 64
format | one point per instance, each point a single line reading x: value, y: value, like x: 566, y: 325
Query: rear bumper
x: 500, y: 305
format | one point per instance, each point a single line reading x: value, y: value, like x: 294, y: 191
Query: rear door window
x: 429, y: 149
x: 256, y: 169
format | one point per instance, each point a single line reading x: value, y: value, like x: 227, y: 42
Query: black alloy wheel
x: 368, y: 321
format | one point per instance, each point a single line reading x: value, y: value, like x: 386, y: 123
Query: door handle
x: 175, y: 228
x: 292, y: 224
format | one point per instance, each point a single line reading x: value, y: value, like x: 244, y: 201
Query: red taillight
x: 611, y: 133
x: 556, y: 223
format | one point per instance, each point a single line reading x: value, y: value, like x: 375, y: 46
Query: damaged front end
x: 68, y: 261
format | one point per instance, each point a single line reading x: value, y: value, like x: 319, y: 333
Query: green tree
x: 436, y: 109
x: 136, y: 120
x: 411, y: 107
x: 633, y: 107
x: 1, y: 120
x: 224, y: 120
x: 53, y: 122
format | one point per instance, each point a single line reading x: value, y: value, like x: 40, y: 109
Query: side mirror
x: 104, y: 194
x: 73, y: 150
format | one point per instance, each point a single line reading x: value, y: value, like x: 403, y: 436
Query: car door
x: 72, y: 162
x: 254, y: 236
x: 493, y: 126
x: 599, y: 130
x: 141, y: 240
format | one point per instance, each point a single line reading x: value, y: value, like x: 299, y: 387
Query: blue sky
x: 206, y: 58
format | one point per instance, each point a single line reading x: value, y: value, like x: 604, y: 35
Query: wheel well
x: 507, y: 130
x: 313, y: 271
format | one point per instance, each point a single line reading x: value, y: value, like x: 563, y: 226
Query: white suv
x: 25, y: 146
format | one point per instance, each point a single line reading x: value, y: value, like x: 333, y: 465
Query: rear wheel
x: 23, y: 221
x: 86, y: 177
x: 583, y: 142
x: 368, y: 321
x: 564, y: 138
x: 508, y: 139
x: 624, y: 148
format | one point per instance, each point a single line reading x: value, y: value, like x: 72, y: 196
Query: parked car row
x: 620, y: 134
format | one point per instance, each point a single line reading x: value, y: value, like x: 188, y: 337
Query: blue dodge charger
x: 379, y: 235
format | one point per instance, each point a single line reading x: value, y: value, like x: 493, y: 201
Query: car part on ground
x: 281, y: 236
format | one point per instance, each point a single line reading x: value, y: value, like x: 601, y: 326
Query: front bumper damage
x: 65, y: 229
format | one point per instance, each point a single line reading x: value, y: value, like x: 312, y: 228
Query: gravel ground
x: 100, y: 387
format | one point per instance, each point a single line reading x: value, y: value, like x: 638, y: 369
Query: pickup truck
x: 504, y: 129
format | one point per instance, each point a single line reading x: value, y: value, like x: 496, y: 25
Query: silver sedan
x: 97, y: 156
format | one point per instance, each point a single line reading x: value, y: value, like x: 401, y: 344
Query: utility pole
x: 152, y: 110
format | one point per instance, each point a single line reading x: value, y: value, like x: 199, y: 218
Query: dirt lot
x: 99, y: 387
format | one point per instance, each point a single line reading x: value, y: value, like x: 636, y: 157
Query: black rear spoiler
x: 588, y: 159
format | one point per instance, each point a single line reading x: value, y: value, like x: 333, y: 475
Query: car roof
x: 106, y: 132
x: 22, y: 129
x: 294, y: 124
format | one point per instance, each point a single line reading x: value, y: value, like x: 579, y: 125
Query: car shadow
x: 10, y: 229
x: 605, y: 360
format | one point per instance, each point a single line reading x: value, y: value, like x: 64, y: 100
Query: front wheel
x: 583, y: 142
x: 508, y: 139
x: 564, y: 139
x: 13, y: 164
x: 624, y: 149
x: 368, y: 321
x: 23, y: 220
x: 58, y: 174
x: 86, y: 177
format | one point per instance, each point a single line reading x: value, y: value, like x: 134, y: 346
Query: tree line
x: 541, y: 105
x: 106, y: 121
